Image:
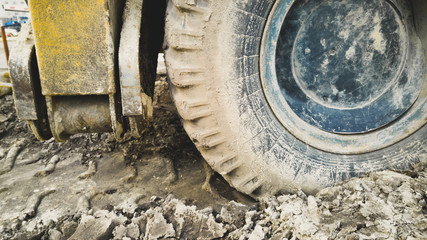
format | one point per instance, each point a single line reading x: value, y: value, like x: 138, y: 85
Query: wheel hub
x: 338, y: 61
x: 345, y: 57
x: 338, y: 70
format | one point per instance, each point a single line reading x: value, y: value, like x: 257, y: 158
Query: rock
x: 157, y: 226
x: 130, y: 231
x: 28, y: 236
x: 68, y: 229
x: 210, y: 229
x: 142, y: 224
x: 233, y: 214
x: 30, y: 225
x: 119, y: 232
x: 192, y: 223
x: 257, y: 233
x: 54, y: 234
x: 91, y: 228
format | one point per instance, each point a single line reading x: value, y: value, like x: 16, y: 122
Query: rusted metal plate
x: 74, y: 45
x: 129, y: 62
x: 140, y: 42
x: 20, y: 72
x: 29, y: 102
x: 69, y: 115
x: 137, y: 58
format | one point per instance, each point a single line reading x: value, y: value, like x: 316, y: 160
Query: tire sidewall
x: 257, y: 133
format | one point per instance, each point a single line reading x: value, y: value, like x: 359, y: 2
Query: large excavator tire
x: 293, y: 95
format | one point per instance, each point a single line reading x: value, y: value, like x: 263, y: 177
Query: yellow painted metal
x: 74, y: 46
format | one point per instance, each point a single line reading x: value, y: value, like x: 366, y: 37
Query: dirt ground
x: 93, y: 187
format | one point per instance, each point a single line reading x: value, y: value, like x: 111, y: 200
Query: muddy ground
x: 93, y: 187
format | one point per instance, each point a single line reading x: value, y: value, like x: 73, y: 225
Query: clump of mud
x: 93, y: 187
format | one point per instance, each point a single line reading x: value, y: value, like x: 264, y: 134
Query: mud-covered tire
x: 212, y: 52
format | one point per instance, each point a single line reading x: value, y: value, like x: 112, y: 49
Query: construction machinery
x: 277, y: 95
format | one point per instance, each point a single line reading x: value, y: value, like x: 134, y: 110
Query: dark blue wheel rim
x: 295, y: 26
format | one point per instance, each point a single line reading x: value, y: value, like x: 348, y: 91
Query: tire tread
x: 184, y: 43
